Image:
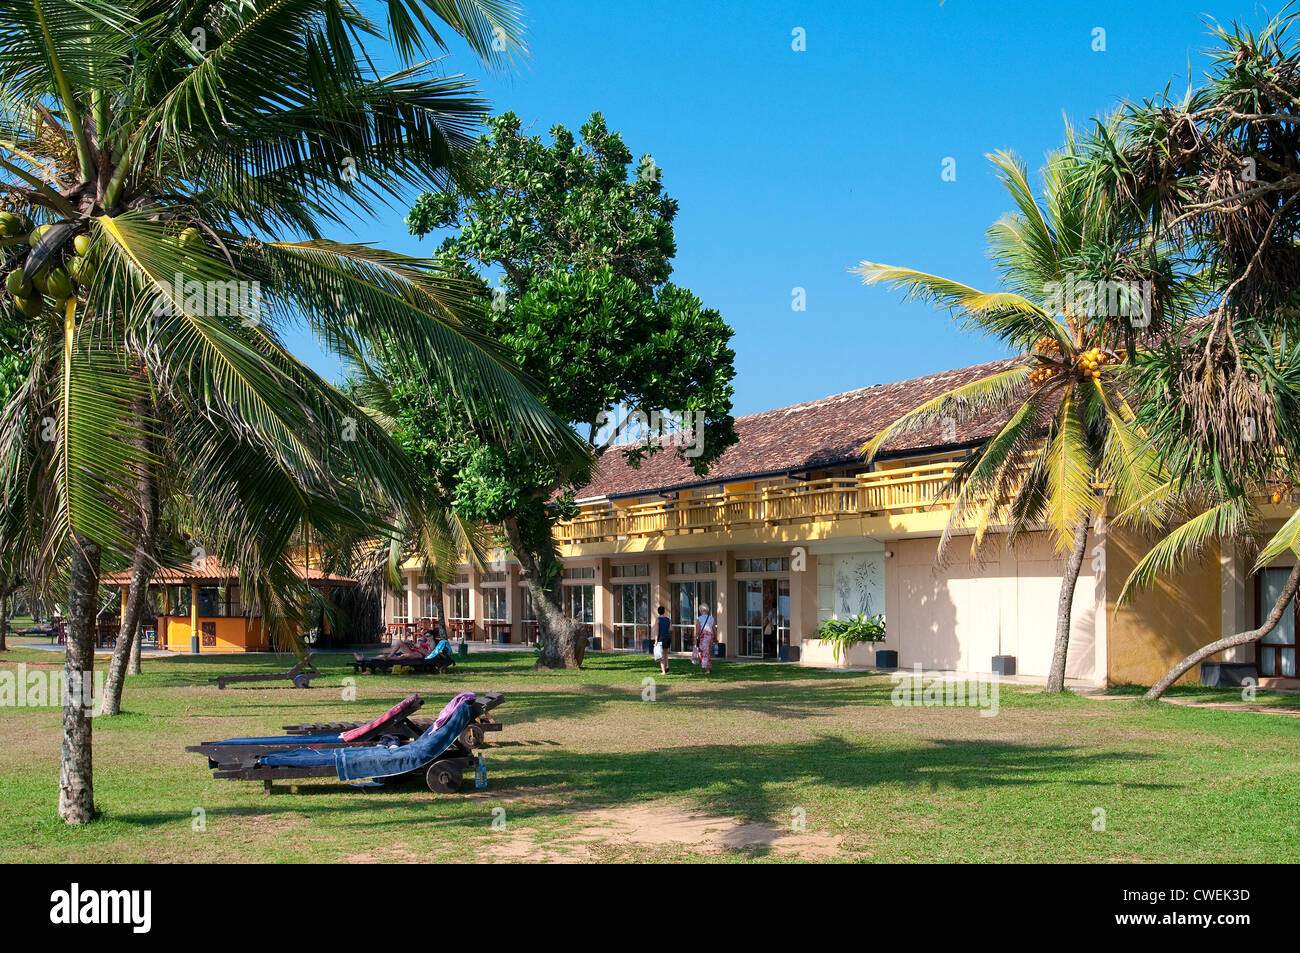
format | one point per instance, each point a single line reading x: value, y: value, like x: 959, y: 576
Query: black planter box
x: 1225, y: 674
x: 719, y: 650
x: 886, y: 658
x: 595, y: 643
x: 1004, y: 665
x: 647, y: 646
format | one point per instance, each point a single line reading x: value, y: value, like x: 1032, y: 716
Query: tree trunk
x: 564, y: 640
x: 438, y: 616
x: 128, y: 639
x: 1061, y: 648
x: 4, y: 619
x: 76, y: 789
x: 133, y: 668
x: 1241, y: 638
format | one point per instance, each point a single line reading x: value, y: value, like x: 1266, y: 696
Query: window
x: 1277, y: 649
x: 631, y: 615
x: 460, y: 604
x: 489, y: 577
x: 580, y: 572
x: 400, y: 602
x: 630, y: 569
x: 494, y: 604
x: 704, y: 567
x: 685, y: 601
x: 579, y: 602
x: 428, y: 603
x: 764, y: 564
x: 527, y: 611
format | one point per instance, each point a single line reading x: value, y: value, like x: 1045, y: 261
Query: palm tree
x: 172, y: 167
x: 1067, y: 429
x: 1216, y: 173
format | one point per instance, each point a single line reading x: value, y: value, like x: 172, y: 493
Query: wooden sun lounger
x: 301, y: 675
x: 440, y: 664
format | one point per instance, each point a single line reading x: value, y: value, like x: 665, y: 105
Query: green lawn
x: 716, y: 769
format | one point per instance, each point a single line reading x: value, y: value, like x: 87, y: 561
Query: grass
x: 587, y: 770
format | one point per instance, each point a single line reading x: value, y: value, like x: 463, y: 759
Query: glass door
x: 1277, y: 649
x: 631, y: 615
x: 685, y: 601
x: 764, y: 614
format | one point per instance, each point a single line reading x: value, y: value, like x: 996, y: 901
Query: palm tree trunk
x: 1241, y: 638
x: 438, y: 615
x: 76, y: 788
x: 1064, y: 605
x: 128, y: 639
x: 133, y: 668
x: 4, y: 618
x: 564, y: 640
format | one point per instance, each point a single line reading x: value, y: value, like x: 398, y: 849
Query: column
x: 194, y: 618
x: 726, y: 580
x: 513, y: 606
x: 476, y: 602
x: 602, y: 613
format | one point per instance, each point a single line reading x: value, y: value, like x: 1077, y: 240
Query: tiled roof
x: 817, y: 434
x: 215, y: 573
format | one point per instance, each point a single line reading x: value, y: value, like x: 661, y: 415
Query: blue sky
x: 791, y: 167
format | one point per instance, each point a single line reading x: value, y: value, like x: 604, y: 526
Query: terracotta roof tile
x: 813, y: 435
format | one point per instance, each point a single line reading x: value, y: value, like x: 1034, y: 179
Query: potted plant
x: 843, y: 634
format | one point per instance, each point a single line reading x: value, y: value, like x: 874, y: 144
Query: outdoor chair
x: 440, y: 753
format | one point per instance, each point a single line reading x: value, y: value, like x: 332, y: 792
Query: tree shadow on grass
x: 748, y: 782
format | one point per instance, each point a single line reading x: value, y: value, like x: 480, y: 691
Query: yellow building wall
x: 1157, y: 629
x: 234, y: 634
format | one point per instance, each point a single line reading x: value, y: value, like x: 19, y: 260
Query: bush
x: 842, y: 634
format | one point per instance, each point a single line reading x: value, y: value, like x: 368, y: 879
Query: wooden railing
x: 888, y: 491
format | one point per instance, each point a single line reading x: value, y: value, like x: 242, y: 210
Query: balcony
x: 886, y: 492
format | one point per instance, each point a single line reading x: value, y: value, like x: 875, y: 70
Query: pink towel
x: 392, y: 714
x: 461, y: 699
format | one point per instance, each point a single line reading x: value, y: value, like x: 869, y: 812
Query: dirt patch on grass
x: 661, y: 825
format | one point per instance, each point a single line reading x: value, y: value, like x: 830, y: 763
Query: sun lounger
x: 440, y: 659
x: 393, y: 728
x: 412, y: 728
x: 438, y: 753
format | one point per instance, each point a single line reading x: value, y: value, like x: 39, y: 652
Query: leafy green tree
x: 582, y: 245
x: 171, y: 169
x: 1073, y: 274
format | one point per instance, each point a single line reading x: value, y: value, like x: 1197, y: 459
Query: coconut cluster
x: 55, y: 281
x: 1092, y: 361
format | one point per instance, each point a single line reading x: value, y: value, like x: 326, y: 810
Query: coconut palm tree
x: 1073, y: 277
x: 171, y: 170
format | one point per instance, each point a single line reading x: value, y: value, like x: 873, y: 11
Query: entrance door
x: 764, y: 616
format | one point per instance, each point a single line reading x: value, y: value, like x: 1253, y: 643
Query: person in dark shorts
x: 663, y: 639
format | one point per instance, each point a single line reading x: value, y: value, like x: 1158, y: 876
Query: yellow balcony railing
x: 887, y: 491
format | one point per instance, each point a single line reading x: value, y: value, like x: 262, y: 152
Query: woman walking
x: 706, y: 632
